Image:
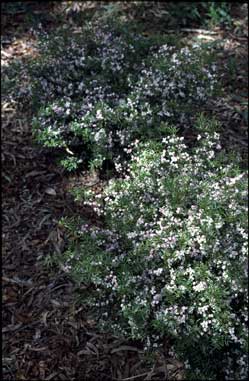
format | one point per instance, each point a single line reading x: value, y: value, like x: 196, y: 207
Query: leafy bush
x: 170, y: 14
x: 219, y: 13
x: 199, y: 13
x: 96, y: 92
x: 172, y: 258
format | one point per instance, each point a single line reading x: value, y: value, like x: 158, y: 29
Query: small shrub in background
x: 172, y: 258
x: 218, y: 12
x: 164, y: 14
x: 206, y: 13
x: 97, y: 91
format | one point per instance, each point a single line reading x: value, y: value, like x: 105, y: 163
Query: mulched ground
x: 46, y: 334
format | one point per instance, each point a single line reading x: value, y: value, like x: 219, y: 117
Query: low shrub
x: 171, y: 260
x: 206, y: 13
x: 164, y: 14
x: 97, y: 91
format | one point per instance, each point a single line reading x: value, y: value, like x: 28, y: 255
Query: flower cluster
x: 173, y: 257
x: 102, y: 89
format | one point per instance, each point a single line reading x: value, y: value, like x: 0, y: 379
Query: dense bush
x: 96, y: 92
x: 172, y: 259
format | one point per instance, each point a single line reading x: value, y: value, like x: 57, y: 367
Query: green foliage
x: 219, y: 13
x: 172, y: 257
x: 100, y: 90
x: 206, y: 13
x: 173, y: 14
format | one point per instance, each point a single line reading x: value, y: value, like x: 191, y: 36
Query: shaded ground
x: 46, y: 334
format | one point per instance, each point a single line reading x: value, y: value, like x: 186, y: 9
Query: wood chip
x: 50, y: 191
x: 125, y: 348
x: 11, y: 328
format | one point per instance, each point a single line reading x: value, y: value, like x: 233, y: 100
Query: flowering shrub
x: 98, y: 91
x: 172, y: 258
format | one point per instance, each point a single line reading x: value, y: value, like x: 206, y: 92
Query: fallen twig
x: 132, y: 377
x: 190, y: 30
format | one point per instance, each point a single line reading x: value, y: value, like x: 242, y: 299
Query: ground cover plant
x: 101, y: 89
x: 172, y: 258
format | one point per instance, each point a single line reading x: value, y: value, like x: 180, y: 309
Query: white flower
x: 99, y: 115
x: 200, y: 287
